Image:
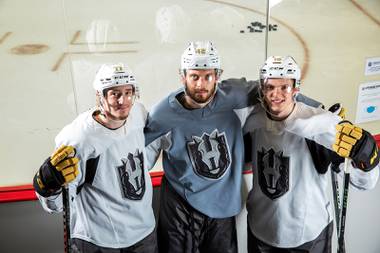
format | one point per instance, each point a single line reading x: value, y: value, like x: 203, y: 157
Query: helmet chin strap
x: 195, y: 104
x: 103, y: 114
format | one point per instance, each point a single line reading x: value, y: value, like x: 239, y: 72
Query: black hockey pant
x: 322, y: 244
x: 182, y: 229
x: 146, y: 245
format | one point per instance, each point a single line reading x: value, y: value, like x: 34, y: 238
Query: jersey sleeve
x: 324, y: 158
x: 74, y: 136
x: 314, y: 124
x: 308, y: 101
x: 241, y: 92
x: 364, y: 180
x: 52, y: 204
x: 70, y: 135
x: 153, y: 150
x: 157, y: 135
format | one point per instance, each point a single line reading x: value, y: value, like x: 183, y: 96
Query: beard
x: 200, y: 95
x: 117, y: 115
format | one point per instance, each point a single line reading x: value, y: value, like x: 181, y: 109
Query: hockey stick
x: 336, y: 109
x: 336, y: 195
x: 66, y: 218
x: 346, y: 181
x: 66, y: 213
x: 267, y: 28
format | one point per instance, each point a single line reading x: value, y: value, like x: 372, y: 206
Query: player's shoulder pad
x: 257, y: 119
x: 307, y: 100
x: 238, y: 93
x: 305, y: 114
x: 137, y: 116
x: 163, y: 115
x: 306, y: 110
x: 237, y: 84
x: 164, y: 105
x: 76, y: 130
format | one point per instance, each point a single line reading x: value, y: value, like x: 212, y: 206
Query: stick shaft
x: 336, y: 195
x: 66, y: 218
x: 346, y: 184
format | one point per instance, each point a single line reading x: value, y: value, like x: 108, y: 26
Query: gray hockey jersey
x: 111, y: 199
x: 288, y: 204
x: 203, y: 148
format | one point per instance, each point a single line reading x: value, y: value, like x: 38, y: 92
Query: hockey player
x: 199, y: 129
x: 288, y: 207
x: 110, y: 191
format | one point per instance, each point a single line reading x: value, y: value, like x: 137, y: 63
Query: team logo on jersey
x: 209, y: 154
x: 273, y: 173
x: 132, y: 176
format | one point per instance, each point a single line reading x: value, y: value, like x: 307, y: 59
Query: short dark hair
x: 110, y: 88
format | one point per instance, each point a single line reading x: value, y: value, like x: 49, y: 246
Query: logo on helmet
x: 118, y: 68
x: 200, y: 51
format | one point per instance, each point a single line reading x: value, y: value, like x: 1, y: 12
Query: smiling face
x: 118, y: 102
x: 200, y: 84
x: 278, y: 96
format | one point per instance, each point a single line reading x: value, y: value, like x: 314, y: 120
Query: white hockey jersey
x: 111, y: 199
x: 288, y: 204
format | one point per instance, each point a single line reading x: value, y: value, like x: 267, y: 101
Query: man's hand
x: 64, y: 161
x: 347, y: 135
x: 338, y: 109
x: 59, y: 169
x: 355, y: 143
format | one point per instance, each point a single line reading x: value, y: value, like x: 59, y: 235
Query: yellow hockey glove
x: 347, y: 135
x: 355, y: 143
x: 59, y: 169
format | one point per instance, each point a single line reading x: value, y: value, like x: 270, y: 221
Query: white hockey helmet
x: 200, y: 55
x: 112, y: 75
x: 281, y: 67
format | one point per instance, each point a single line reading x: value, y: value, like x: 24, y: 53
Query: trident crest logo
x: 132, y: 176
x: 273, y: 172
x: 209, y: 154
